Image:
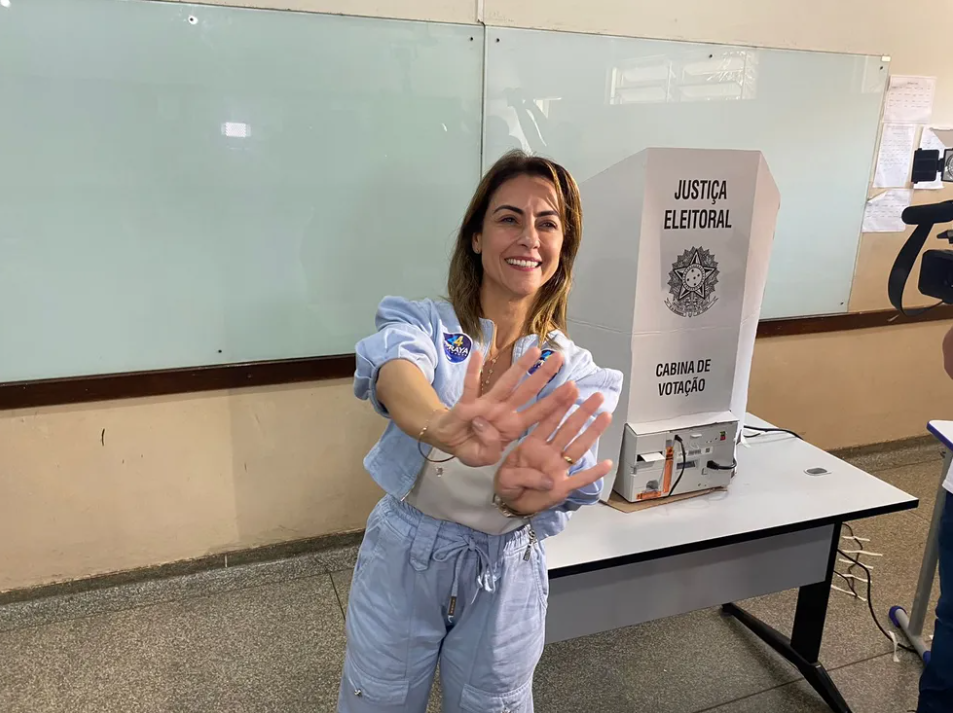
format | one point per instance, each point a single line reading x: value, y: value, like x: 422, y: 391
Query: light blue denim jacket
x: 429, y: 334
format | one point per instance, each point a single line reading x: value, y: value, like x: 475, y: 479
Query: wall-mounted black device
x: 936, y: 269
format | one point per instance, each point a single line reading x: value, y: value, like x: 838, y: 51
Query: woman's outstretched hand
x: 479, y: 427
x: 535, y: 476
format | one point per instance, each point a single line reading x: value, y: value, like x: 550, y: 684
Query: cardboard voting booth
x: 668, y: 289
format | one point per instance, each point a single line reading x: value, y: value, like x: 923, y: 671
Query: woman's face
x: 522, y: 236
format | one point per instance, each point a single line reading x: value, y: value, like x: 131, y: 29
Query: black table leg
x: 804, y: 646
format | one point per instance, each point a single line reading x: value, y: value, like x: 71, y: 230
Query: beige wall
x: 177, y: 478
x: 912, y: 32
x: 853, y: 388
x: 106, y: 487
x: 181, y: 477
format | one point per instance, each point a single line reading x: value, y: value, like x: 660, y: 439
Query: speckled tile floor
x: 270, y: 637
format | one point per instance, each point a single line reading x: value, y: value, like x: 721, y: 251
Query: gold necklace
x: 489, y: 366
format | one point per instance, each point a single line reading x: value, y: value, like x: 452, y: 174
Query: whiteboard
x: 188, y: 185
x: 589, y: 101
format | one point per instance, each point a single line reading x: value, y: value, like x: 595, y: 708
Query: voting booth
x: 668, y: 288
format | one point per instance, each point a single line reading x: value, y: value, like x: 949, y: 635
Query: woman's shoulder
x: 445, y: 312
x: 433, y: 314
x: 580, y: 365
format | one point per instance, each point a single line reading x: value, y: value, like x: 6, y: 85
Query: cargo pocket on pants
x: 516, y: 701
x: 542, y: 576
x: 365, y: 688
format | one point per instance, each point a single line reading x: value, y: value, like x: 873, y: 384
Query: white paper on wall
x: 909, y: 99
x: 896, y: 153
x: 882, y: 213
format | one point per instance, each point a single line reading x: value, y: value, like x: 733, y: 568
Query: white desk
x: 943, y: 430
x: 777, y: 528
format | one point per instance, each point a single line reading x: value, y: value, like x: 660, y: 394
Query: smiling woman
x: 479, y: 464
x: 526, y: 239
x: 526, y: 209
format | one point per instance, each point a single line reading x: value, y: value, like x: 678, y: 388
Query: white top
x: 770, y: 490
x: 943, y: 430
x: 458, y: 493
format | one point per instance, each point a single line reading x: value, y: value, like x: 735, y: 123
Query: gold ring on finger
x: 568, y: 459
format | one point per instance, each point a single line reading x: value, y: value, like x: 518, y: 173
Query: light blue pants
x: 426, y: 590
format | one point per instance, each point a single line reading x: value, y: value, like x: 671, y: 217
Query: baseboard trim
x: 267, y: 553
x: 912, y: 443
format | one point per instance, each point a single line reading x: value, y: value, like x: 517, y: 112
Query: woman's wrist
x: 429, y: 433
x: 509, y: 510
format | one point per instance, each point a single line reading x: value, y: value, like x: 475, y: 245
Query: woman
x: 480, y: 462
x: 936, y: 682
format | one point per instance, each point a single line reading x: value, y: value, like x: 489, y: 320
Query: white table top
x: 943, y: 430
x: 770, y: 492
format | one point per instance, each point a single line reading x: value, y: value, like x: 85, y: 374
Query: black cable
x: 681, y: 472
x: 761, y: 431
x: 860, y: 545
x: 718, y: 466
x: 870, y: 601
x: 903, y: 266
x: 846, y: 579
x: 849, y: 580
x: 924, y: 310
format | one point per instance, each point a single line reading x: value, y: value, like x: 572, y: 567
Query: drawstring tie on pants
x: 486, y: 576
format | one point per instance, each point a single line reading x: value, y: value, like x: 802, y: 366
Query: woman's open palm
x: 479, y: 427
x: 535, y: 476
